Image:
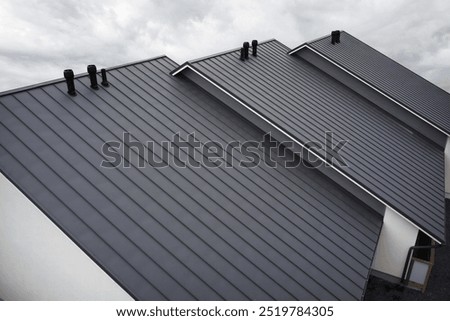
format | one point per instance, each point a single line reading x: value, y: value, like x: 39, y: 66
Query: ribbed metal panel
x: 402, y: 168
x: 181, y: 233
x: 398, y: 82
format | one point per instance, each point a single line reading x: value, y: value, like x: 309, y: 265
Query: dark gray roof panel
x: 400, y: 167
x: 388, y: 76
x: 181, y: 233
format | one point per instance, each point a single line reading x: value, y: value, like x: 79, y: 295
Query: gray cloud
x: 41, y: 38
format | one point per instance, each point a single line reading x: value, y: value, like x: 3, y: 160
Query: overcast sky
x: 41, y: 38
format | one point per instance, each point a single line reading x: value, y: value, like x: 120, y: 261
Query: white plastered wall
x: 39, y: 262
x: 397, y: 236
x: 447, y: 168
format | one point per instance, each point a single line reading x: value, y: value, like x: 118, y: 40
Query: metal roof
x: 397, y: 165
x: 396, y: 81
x: 181, y: 233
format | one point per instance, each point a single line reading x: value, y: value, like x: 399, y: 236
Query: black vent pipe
x: 242, y: 54
x: 254, y: 47
x: 92, y: 71
x: 69, y: 76
x: 246, y: 46
x: 335, y: 37
x: 105, y: 82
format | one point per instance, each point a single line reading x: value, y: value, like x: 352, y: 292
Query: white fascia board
x: 368, y: 84
x: 181, y: 69
x: 302, y: 145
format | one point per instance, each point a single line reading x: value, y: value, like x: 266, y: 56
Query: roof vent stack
x: 69, y: 76
x: 254, y: 47
x: 242, y: 54
x: 335, y: 37
x: 92, y: 71
x: 105, y: 82
x: 246, y: 46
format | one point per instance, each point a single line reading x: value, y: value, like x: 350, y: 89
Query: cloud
x: 42, y: 38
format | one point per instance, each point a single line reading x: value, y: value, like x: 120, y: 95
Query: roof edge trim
x: 298, y: 48
x: 371, y: 262
x: 306, y: 45
x: 309, y: 42
x: 180, y: 68
x: 187, y: 65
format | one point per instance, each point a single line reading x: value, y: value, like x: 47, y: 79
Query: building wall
x: 397, y: 236
x: 447, y: 169
x: 39, y: 262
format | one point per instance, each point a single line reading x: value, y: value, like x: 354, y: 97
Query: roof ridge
x: 192, y: 61
x: 311, y: 42
x: 58, y: 80
x: 318, y: 39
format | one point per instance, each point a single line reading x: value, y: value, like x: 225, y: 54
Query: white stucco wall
x: 447, y: 168
x: 39, y: 262
x: 397, y: 236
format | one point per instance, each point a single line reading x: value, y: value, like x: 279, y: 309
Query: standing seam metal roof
x: 388, y: 76
x: 402, y: 168
x: 181, y: 233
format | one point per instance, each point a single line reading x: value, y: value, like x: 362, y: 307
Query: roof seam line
x: 175, y: 72
x: 306, y: 45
